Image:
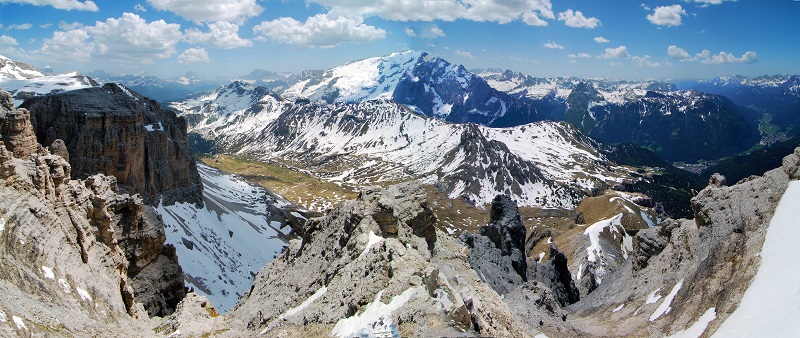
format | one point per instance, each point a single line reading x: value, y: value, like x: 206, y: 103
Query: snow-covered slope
x: 24, y: 81
x: 22, y: 89
x: 769, y: 307
x: 13, y: 70
x: 546, y: 164
x: 536, y: 88
x: 222, y: 245
x: 425, y: 83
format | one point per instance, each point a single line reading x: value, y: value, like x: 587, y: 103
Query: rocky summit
x: 115, y: 131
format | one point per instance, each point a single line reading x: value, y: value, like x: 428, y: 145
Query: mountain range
x: 110, y: 217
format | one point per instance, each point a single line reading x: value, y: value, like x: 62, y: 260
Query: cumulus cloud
x: 68, y: 45
x: 19, y: 27
x: 139, y: 8
x: 210, y: 10
x: 723, y: 57
x: 678, y: 53
x: 531, y: 12
x: 69, y: 5
x: 7, y: 40
x: 552, y: 45
x: 432, y: 32
x: 620, y: 52
x: 193, y: 55
x: 129, y: 38
x: 667, y: 15
x: 706, y: 57
x: 410, y: 32
x: 645, y: 61
x: 600, y: 39
x: 65, y: 26
x: 576, y: 19
x: 579, y: 56
x: 220, y: 34
x: 320, y: 30
x: 467, y: 55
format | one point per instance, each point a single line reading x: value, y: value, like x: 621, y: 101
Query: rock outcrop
x: 79, y: 244
x: 498, y: 253
x: 114, y: 131
x: 369, y: 266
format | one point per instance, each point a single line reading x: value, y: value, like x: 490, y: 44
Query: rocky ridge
x: 92, y: 252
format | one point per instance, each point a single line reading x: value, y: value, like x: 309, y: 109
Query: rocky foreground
x: 80, y: 258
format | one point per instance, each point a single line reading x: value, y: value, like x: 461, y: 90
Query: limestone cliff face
x: 78, y: 244
x: 114, y: 131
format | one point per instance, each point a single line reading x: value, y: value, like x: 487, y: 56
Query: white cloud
x: 69, y: 5
x: 45, y: 26
x: 410, y: 32
x: 620, y: 52
x: 678, y: 53
x: 139, y: 8
x: 646, y: 7
x: 723, y: 57
x: 71, y: 44
x: 467, y: 55
x: 577, y: 19
x: 193, y: 55
x: 645, y: 61
x: 708, y: 2
x: 706, y: 57
x: 129, y: 38
x: 600, y: 39
x: 210, y: 10
x: 20, y: 27
x: 615, y: 64
x: 579, y: 56
x: 667, y: 15
x: 7, y: 40
x: 65, y: 26
x: 220, y: 34
x: 531, y: 12
x: 552, y: 45
x: 319, y: 31
x: 432, y: 32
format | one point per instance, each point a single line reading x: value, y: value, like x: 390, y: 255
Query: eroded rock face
x: 114, y: 131
x: 79, y: 244
x: 15, y: 130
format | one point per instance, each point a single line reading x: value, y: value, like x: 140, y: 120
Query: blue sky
x: 589, y: 38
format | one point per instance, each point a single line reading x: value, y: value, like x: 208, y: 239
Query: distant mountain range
x: 696, y: 123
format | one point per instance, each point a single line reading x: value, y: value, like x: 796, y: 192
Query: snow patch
x: 19, y: 323
x: 665, y: 305
x: 594, y: 231
x: 376, y: 320
x: 373, y: 239
x: 64, y: 285
x: 616, y: 309
x: 3, y: 317
x: 154, y: 127
x: 291, y: 312
x: 84, y: 294
x: 653, y: 297
x: 2, y: 224
x: 48, y: 272
x: 769, y: 307
x: 698, y: 327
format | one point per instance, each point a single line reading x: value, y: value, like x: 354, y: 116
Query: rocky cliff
x: 77, y: 255
x: 115, y: 131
